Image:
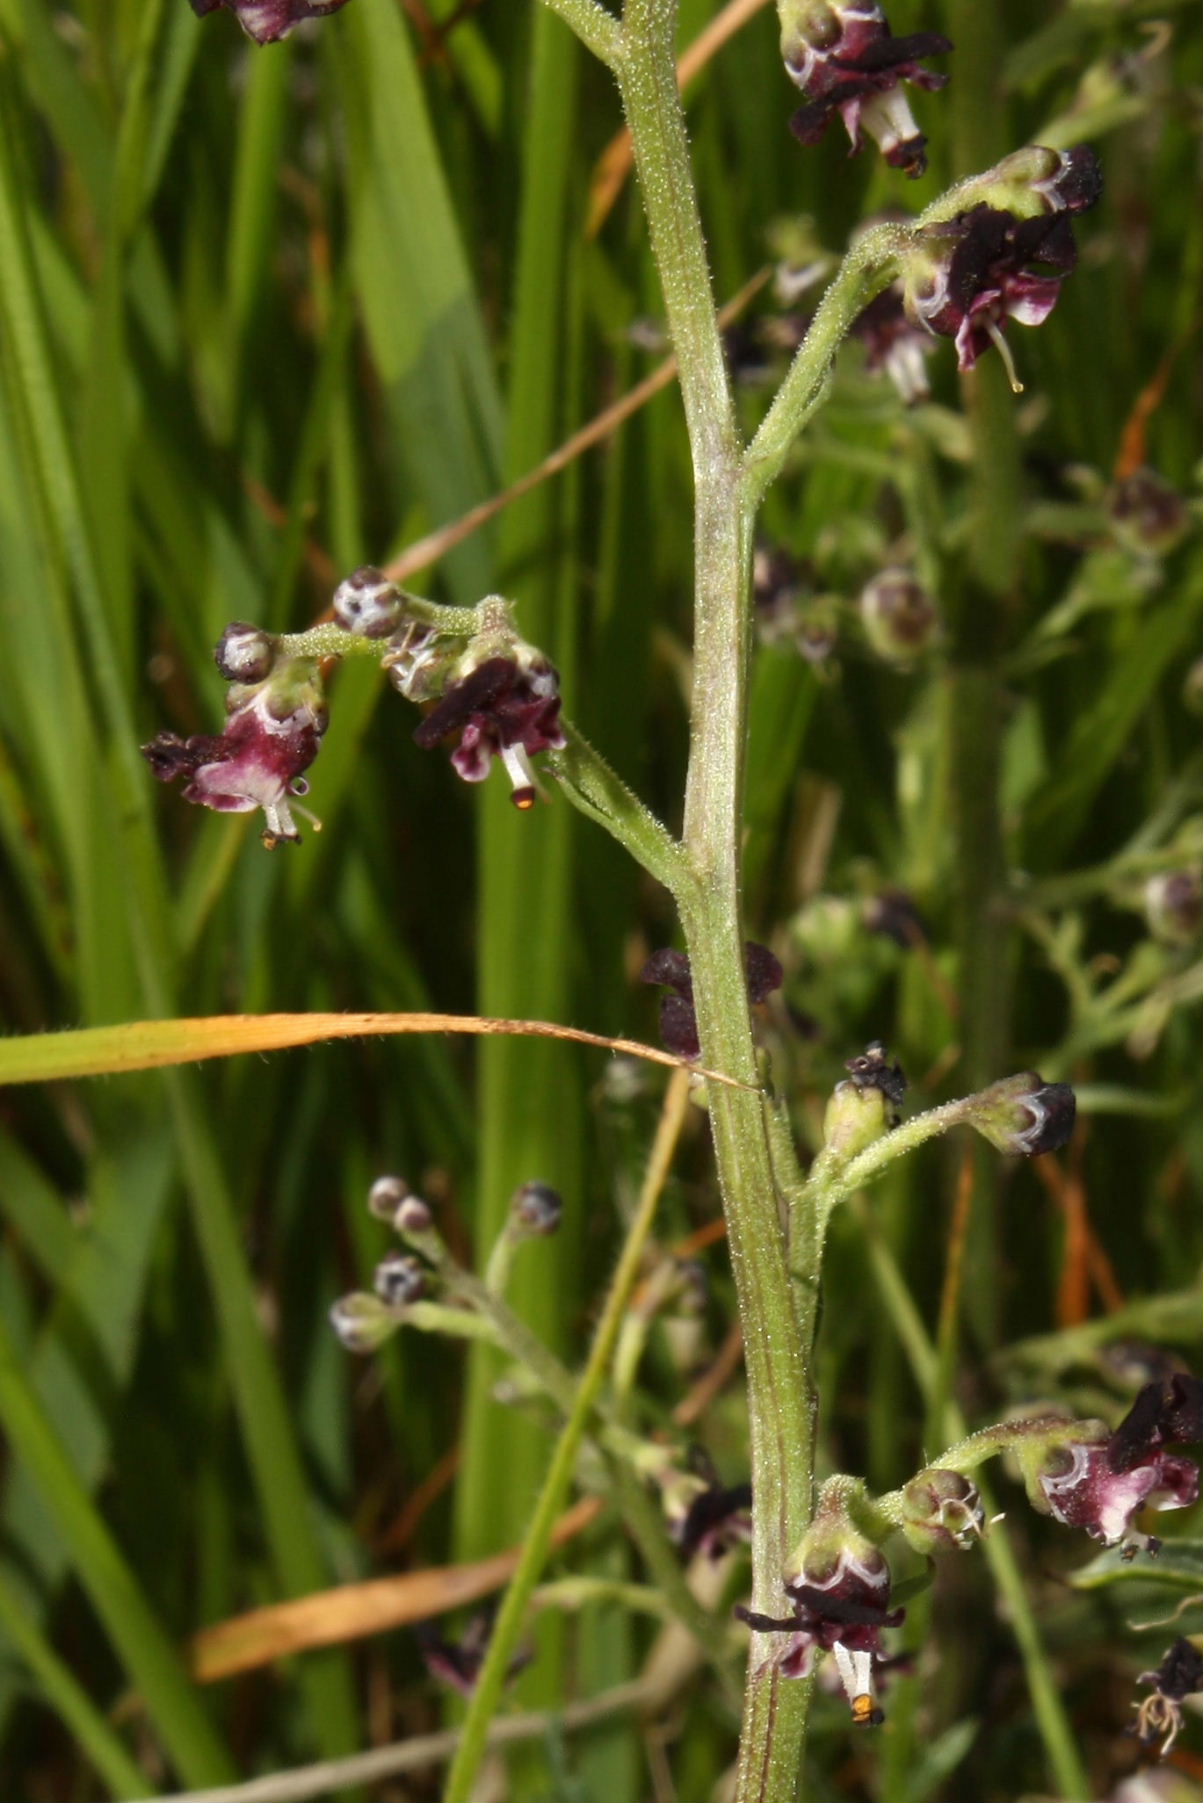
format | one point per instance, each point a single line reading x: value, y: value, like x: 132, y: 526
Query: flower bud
x: 362, y: 1322
x: 1147, y: 515
x: 703, y: 1515
x: 866, y: 1106
x: 368, y: 604
x: 536, y: 1208
x: 854, y: 1118
x: 1037, y: 180
x: 400, y: 1279
x: 413, y: 1216
x: 941, y: 1509
x: 1024, y: 1115
x: 1174, y: 906
x: 245, y: 653
x: 386, y: 1196
x: 898, y: 615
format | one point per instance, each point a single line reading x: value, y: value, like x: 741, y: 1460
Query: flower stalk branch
x: 551, y: 1499
x: 870, y: 265
x: 598, y: 30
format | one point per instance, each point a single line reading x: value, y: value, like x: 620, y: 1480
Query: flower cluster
x: 845, y: 59
x: 276, y: 715
x: 498, y: 695
x: 267, y: 21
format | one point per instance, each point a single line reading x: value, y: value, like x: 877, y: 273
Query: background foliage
x: 268, y: 315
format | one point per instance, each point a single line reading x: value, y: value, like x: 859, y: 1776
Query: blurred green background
x: 266, y: 315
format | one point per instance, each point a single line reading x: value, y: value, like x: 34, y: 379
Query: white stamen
x: 518, y: 768
x: 1004, y: 351
x: 856, y: 1669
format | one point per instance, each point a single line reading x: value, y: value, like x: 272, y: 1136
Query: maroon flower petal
x: 679, y: 1027
x: 670, y: 967
x: 267, y: 21
x: 478, y: 692
x: 762, y: 971
x: 1169, y: 1413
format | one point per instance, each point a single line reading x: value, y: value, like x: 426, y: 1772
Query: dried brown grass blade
x: 353, y: 1611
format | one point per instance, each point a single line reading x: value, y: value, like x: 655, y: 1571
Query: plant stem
x: 647, y: 79
x: 776, y: 1353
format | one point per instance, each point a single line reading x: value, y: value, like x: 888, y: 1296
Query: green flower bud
x: 899, y: 616
x: 941, y: 1509
x: 362, y: 1322
x: 1024, y: 1115
x: 1174, y: 906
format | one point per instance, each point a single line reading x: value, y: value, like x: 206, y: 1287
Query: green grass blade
x: 145, y: 1650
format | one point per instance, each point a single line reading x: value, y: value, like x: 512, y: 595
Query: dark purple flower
x: 990, y: 267
x: 505, y: 707
x: 1159, y: 1717
x: 678, y: 1022
x: 1090, y: 1479
x: 458, y: 1662
x: 716, y: 1516
x: 844, y: 57
x: 895, y: 915
x: 272, y: 735
x: 894, y: 345
x: 267, y: 21
x: 841, y: 1602
x: 1147, y: 515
